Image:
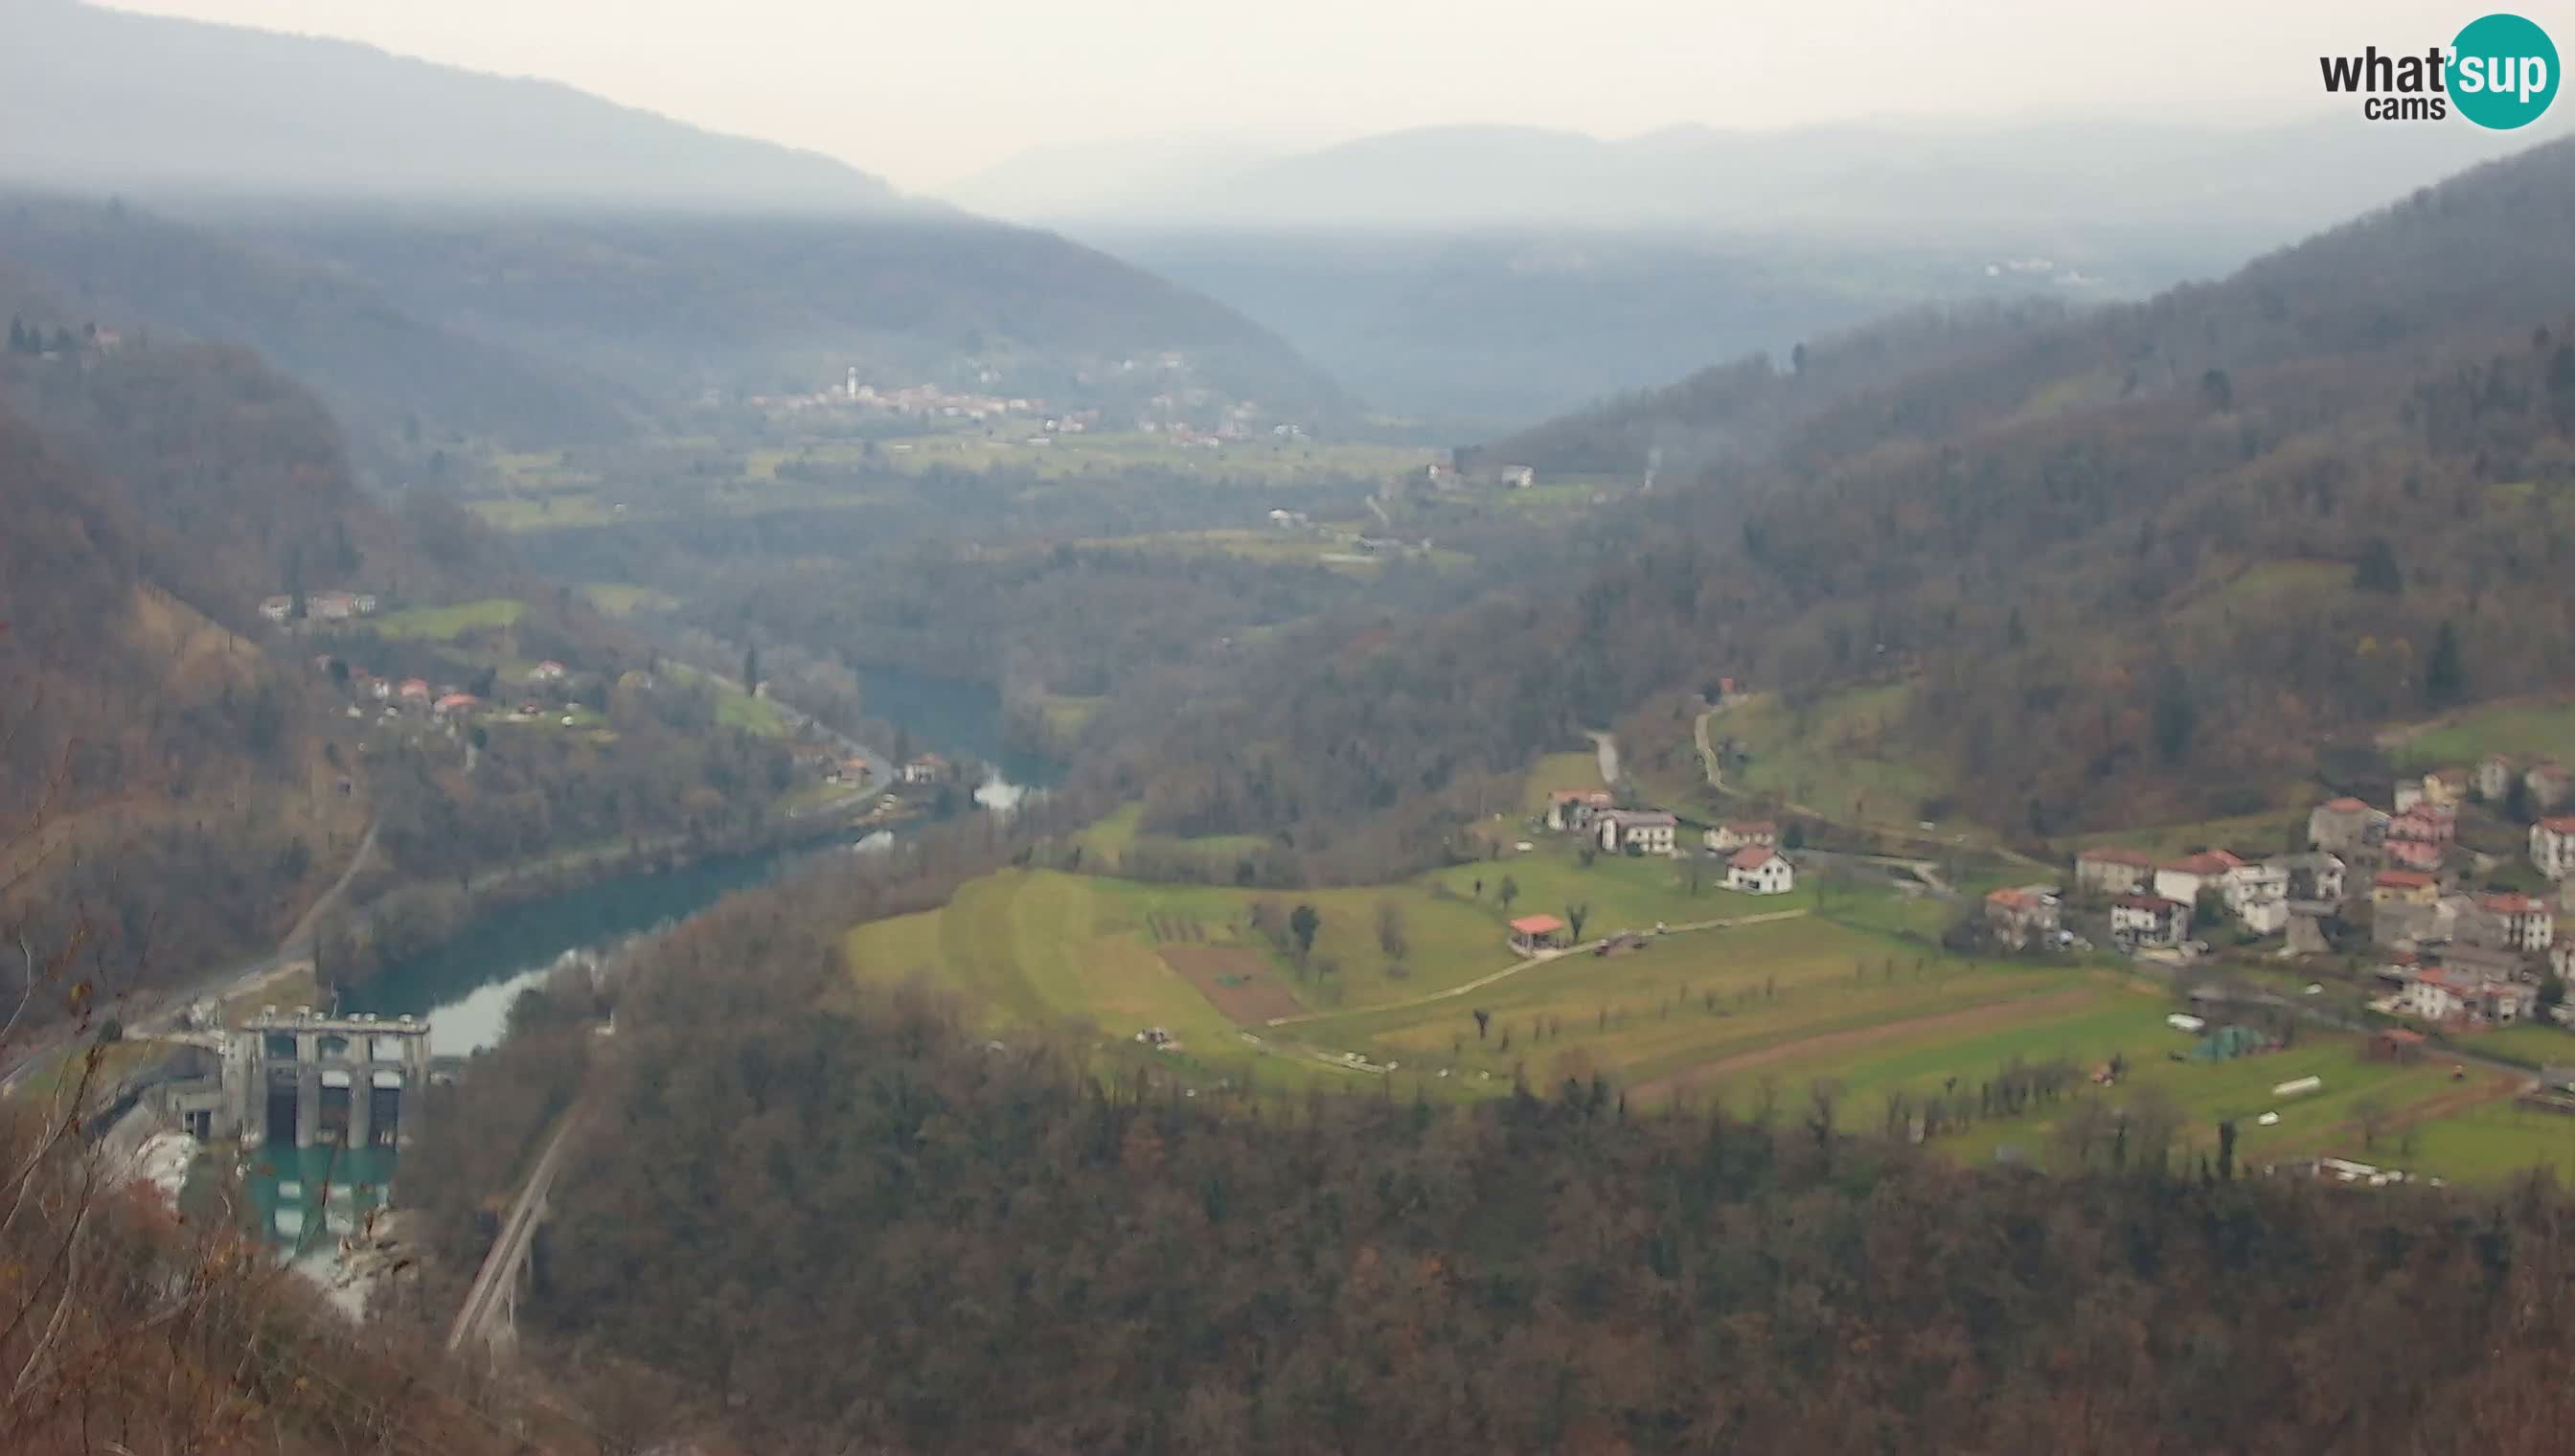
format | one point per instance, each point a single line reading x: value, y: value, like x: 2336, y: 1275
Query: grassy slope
x: 443, y: 624
x: 2526, y: 730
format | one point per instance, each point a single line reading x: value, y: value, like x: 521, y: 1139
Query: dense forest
x: 2135, y: 563
x: 830, y: 1217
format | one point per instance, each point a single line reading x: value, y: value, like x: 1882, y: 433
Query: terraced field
x: 1765, y: 1002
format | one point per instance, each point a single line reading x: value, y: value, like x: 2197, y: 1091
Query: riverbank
x: 417, y: 920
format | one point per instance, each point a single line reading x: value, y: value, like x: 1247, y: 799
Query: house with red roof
x: 413, y: 690
x: 1534, y: 933
x: 1573, y: 808
x: 2344, y: 826
x: 2182, y: 880
x: 1761, y: 869
x: 2404, y: 888
x: 2019, y: 916
x: 2149, y: 919
x: 2445, y: 994
x: 455, y: 704
x: 2423, y: 856
x: 2429, y: 823
x: 2528, y: 923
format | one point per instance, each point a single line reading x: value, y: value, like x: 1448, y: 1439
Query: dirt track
x: 1968, y: 1018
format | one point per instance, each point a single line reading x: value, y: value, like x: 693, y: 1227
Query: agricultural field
x: 2526, y: 730
x: 1620, y: 892
x: 735, y: 708
x: 2487, y: 1143
x: 2532, y: 1042
x: 617, y: 598
x: 1772, y: 998
x: 446, y: 624
x: 2327, y: 1120
x: 1316, y: 547
x: 1260, y: 462
x: 1106, y: 843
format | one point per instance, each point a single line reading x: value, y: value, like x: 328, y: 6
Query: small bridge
x: 489, y: 1316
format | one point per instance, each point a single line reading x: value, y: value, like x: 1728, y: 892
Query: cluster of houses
x: 443, y: 703
x: 2449, y: 953
x: 1751, y: 850
x: 1452, y: 476
x: 320, y: 607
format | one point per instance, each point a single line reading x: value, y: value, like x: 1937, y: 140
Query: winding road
x: 151, y: 1014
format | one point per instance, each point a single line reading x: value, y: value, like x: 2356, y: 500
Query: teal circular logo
x: 2503, y: 72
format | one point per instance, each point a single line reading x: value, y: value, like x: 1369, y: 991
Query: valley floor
x: 1761, y: 1003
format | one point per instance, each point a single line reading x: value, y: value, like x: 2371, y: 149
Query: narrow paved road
x: 501, y: 1266
x: 149, y: 1013
x: 1906, y: 834
x: 1607, y: 749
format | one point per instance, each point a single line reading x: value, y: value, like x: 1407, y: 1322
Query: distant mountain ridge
x: 103, y: 100
x: 425, y: 245
x: 1967, y: 181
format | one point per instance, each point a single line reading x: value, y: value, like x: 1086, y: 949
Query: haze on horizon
x: 929, y: 96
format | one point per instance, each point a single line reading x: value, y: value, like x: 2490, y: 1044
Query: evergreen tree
x: 2377, y: 569
x: 2443, y: 679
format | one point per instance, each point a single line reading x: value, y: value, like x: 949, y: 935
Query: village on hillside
x: 2455, y: 936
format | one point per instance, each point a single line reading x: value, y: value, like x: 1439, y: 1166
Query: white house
x: 2149, y: 919
x: 1759, y: 869
x: 2431, y: 997
x: 2183, y: 880
x: 275, y: 609
x: 1742, y: 835
x: 2528, y: 923
x: 2258, y: 896
x: 2313, y: 875
x: 1644, y: 831
x: 927, y: 768
x: 2552, y: 847
x: 2494, y: 778
x: 2449, y: 995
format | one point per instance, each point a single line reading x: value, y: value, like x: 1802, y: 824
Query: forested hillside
x: 390, y: 376
x: 2143, y: 561
x: 113, y: 100
x: 194, y: 780
x: 672, y: 304
x: 868, y: 1223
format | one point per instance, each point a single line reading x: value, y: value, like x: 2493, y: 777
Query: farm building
x: 1534, y: 933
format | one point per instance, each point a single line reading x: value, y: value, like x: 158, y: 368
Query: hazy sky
x: 927, y: 91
